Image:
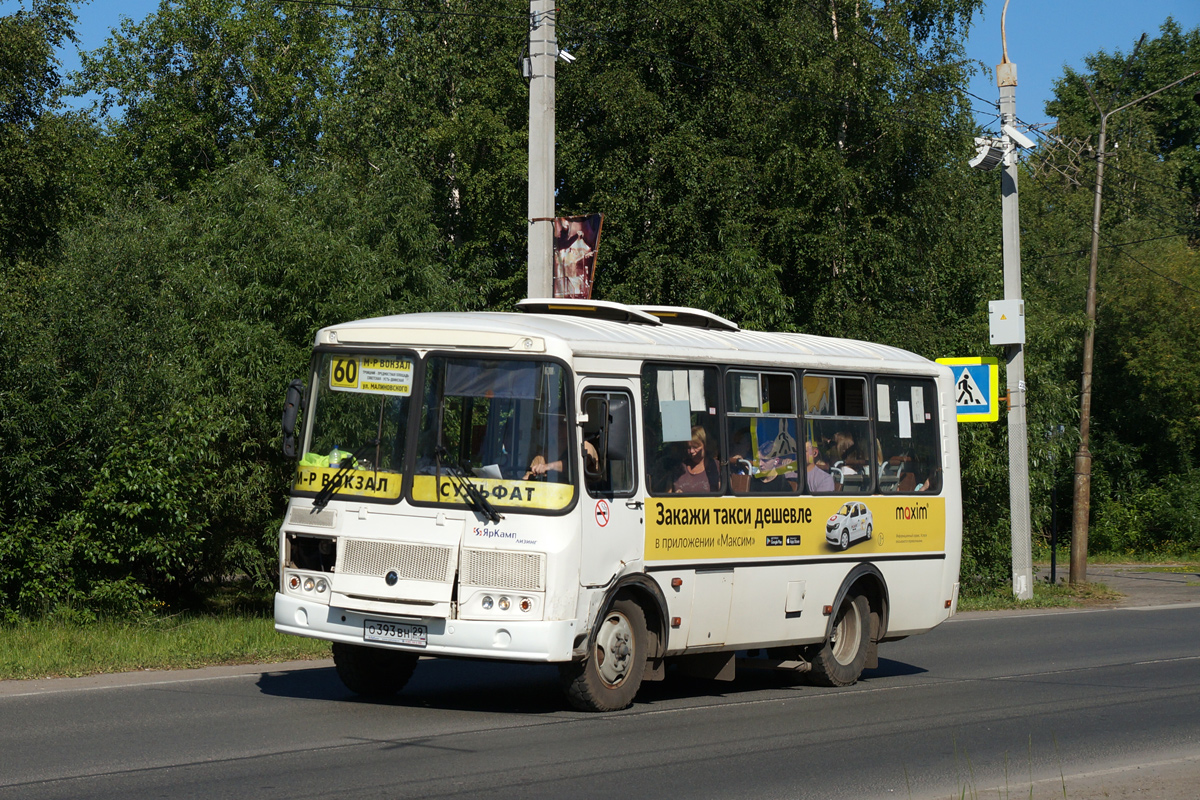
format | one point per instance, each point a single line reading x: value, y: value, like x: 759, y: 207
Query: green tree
x: 274, y: 168
x: 1145, y: 414
x: 39, y: 144
x: 789, y: 165
x: 198, y: 83
x: 153, y: 371
x: 437, y: 84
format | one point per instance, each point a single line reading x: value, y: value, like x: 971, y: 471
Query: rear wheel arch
x: 865, y: 579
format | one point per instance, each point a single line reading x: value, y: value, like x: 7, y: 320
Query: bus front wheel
x: 610, y: 676
x: 371, y: 671
x: 840, y: 660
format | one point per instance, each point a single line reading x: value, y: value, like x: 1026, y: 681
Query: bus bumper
x: 517, y: 640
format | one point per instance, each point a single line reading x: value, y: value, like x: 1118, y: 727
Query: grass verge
x: 54, y: 649
x: 1044, y: 596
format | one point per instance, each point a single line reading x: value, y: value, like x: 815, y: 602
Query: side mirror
x: 595, y: 431
x: 293, y: 401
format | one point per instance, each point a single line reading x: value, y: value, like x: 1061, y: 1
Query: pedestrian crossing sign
x: 976, y: 388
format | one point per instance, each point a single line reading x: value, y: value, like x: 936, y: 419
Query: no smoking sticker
x: 602, y: 513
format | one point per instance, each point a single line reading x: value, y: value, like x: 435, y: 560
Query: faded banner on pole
x: 576, y: 240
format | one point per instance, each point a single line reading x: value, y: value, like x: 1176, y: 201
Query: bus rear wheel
x: 611, y: 674
x: 840, y: 660
x: 372, y: 671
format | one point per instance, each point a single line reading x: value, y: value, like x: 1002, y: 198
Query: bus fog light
x: 504, y: 603
x: 309, y: 583
x: 487, y: 602
x: 526, y: 604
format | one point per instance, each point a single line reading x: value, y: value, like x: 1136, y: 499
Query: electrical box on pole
x: 1006, y: 322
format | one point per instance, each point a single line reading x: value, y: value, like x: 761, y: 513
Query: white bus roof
x: 612, y: 330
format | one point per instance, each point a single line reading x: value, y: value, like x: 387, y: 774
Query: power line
x: 1153, y: 271
x: 1110, y: 165
x: 861, y: 34
x: 398, y: 9
x: 1149, y: 208
x: 1189, y: 195
x: 1119, y: 247
x: 1083, y: 251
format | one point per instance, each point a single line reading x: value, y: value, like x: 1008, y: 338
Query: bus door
x: 613, y: 503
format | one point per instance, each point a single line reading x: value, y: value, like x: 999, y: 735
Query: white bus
x: 615, y: 489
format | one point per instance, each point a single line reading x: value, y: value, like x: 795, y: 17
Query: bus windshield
x: 501, y: 424
x: 360, y: 406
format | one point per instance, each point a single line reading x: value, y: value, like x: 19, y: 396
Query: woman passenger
x: 700, y: 473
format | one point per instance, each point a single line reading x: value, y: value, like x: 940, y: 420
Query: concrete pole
x: 1018, y: 455
x: 543, y: 50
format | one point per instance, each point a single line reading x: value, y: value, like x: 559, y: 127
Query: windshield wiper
x: 347, y: 464
x: 478, y: 502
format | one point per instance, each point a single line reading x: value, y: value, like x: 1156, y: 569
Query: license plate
x: 395, y: 632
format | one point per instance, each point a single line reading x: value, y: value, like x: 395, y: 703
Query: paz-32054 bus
x: 614, y: 489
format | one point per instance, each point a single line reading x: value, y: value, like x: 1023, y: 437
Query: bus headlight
x: 487, y: 602
x: 309, y: 583
x: 504, y: 603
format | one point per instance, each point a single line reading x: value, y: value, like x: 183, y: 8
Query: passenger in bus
x: 835, y: 447
x: 740, y: 467
x: 818, y: 477
x: 698, y: 473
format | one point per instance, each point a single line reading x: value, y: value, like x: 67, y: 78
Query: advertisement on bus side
x: 787, y: 527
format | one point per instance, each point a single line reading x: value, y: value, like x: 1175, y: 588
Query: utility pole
x: 543, y: 50
x: 1018, y: 455
x: 1081, y: 510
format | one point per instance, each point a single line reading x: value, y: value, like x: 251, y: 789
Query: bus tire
x: 609, y: 677
x: 371, y: 671
x: 840, y: 660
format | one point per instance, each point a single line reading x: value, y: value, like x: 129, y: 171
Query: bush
x: 141, y: 410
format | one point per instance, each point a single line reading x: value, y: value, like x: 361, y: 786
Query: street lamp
x: 1083, y: 457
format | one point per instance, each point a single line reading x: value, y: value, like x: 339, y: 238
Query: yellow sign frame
x: 991, y: 411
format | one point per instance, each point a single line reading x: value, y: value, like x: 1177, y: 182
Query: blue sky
x: 1043, y: 36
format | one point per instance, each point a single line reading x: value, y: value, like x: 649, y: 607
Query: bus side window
x: 838, y: 433
x: 908, y: 440
x: 608, y: 434
x: 761, y: 415
x: 680, y: 427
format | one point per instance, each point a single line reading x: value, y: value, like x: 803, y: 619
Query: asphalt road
x: 983, y: 701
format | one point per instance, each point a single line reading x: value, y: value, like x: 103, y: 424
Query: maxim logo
x: 912, y: 512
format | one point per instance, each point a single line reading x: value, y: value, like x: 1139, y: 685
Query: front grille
x: 414, y: 562
x: 501, y: 570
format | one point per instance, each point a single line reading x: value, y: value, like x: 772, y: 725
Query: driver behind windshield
x: 540, y: 468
